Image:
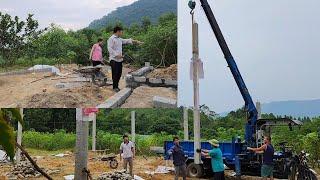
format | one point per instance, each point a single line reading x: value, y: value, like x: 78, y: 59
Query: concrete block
x: 170, y: 82
x: 117, y: 100
x: 140, y: 79
x: 163, y: 102
x: 142, y: 71
x: 60, y: 85
x: 155, y: 81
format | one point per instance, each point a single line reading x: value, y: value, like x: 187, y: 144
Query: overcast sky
x: 69, y: 14
x: 276, y: 45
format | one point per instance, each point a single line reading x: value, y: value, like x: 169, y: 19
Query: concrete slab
x: 140, y: 79
x: 162, y: 102
x: 116, y: 100
x: 170, y: 82
x: 155, y: 81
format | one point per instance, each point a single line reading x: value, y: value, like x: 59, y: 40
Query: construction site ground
x: 40, y: 89
x: 65, y: 166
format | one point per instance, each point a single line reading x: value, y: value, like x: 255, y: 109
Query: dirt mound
x: 85, y: 96
x: 166, y: 73
x: 58, y: 99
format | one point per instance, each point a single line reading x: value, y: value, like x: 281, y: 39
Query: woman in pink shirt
x: 96, y: 53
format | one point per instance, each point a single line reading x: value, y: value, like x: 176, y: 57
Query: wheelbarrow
x: 97, y: 76
x: 111, y: 159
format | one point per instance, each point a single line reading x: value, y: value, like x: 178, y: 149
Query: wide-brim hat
x: 214, y: 142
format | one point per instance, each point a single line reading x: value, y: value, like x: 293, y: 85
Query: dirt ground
x: 35, y: 90
x: 65, y: 166
x: 143, y: 95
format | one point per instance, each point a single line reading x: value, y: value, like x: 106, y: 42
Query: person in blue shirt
x: 216, y: 159
x: 267, y: 162
x: 179, y: 159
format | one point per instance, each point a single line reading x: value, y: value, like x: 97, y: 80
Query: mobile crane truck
x: 235, y: 153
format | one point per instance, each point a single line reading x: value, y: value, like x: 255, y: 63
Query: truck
x: 236, y: 156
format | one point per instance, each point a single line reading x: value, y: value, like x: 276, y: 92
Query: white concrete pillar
x: 196, y: 111
x: 185, y: 124
x: 133, y: 126
x: 81, y: 151
x: 19, y: 138
x: 94, y: 131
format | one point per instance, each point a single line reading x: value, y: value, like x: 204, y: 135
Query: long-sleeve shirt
x: 115, y: 44
x: 178, y: 155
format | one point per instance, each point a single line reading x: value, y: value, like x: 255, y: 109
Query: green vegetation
x: 61, y: 140
x: 23, y: 44
x: 155, y: 126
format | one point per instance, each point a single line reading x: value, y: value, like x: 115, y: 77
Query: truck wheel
x: 194, y: 170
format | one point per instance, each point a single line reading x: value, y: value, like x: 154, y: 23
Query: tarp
x: 40, y: 67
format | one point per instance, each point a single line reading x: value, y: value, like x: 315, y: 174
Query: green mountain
x: 135, y: 12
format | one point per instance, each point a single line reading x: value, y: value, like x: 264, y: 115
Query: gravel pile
x: 23, y: 170
x: 117, y: 175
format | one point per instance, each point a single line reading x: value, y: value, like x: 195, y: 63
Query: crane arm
x: 249, y: 104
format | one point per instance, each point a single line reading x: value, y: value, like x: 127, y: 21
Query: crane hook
x: 192, y: 6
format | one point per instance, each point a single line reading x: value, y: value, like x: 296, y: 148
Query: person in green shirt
x: 216, y: 159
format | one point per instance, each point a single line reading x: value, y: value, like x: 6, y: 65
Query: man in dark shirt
x: 179, y: 159
x: 268, y: 151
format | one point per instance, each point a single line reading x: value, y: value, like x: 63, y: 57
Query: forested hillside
x: 133, y: 13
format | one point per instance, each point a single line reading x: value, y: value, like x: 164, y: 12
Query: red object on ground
x: 88, y: 111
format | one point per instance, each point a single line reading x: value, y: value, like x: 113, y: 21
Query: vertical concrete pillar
x: 185, y: 124
x: 258, y: 106
x: 133, y: 126
x: 196, y: 111
x: 81, y: 154
x: 19, y: 138
x: 94, y: 131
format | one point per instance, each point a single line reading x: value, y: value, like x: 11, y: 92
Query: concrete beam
x: 163, y: 102
x: 116, y: 100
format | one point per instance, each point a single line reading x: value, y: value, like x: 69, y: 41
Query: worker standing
x: 127, y: 151
x: 115, y: 44
x: 268, y: 152
x: 96, y: 56
x: 179, y: 159
x: 216, y: 159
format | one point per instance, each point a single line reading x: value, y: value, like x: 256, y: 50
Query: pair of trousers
x: 116, y: 69
x: 180, y: 171
x: 129, y: 161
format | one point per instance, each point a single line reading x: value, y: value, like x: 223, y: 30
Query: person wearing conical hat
x: 216, y: 159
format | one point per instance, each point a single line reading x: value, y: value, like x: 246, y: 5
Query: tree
x: 16, y: 36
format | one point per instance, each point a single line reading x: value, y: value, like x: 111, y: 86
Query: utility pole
x: 185, y: 124
x: 19, y: 138
x: 258, y: 106
x: 196, y: 111
x: 94, y: 131
x: 133, y: 126
x: 81, y: 155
